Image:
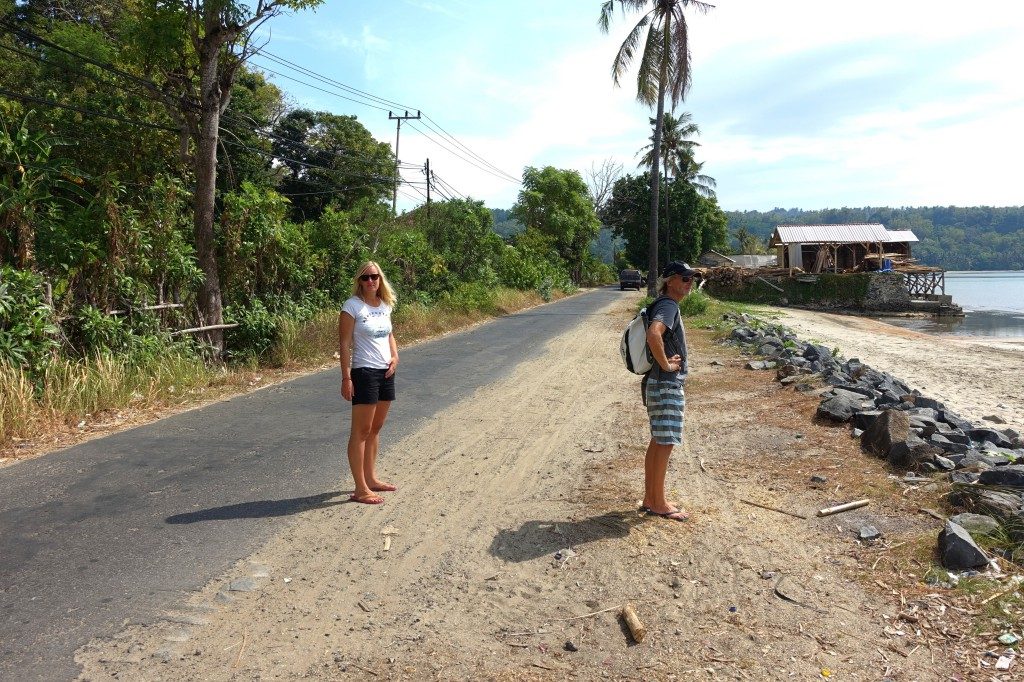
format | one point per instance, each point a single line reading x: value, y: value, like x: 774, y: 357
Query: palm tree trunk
x: 652, y: 237
x: 668, y: 222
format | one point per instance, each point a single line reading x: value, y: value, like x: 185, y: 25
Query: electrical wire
x: 455, y: 153
x: 310, y: 85
x: 434, y: 125
x: 348, y: 88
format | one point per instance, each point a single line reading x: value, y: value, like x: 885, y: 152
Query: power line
x: 455, y: 153
x: 434, y: 125
x: 431, y: 123
x: 153, y: 87
x: 447, y: 185
x: 310, y: 85
x: 296, y: 67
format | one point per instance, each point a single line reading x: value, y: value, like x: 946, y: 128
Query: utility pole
x: 398, y: 132
x: 428, y: 189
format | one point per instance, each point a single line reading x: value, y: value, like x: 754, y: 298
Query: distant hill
x: 505, y: 224
x: 952, y: 237
x: 604, y: 246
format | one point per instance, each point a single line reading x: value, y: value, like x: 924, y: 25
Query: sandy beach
x: 976, y: 377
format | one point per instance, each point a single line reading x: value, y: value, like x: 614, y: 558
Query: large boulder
x: 1011, y: 475
x: 819, y: 353
x: 979, y: 499
x: 976, y: 524
x: 955, y: 420
x: 983, y: 435
x: 922, y: 401
x: 940, y: 441
x: 865, y: 418
x: 913, y: 451
x: 840, y: 405
x: 892, y: 426
x: 958, y: 550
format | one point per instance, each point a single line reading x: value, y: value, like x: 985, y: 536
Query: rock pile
x: 897, y: 423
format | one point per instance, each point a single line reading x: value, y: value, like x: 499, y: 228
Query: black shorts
x: 369, y: 386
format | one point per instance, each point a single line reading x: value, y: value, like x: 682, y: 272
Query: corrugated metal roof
x: 839, y: 234
x: 902, y: 236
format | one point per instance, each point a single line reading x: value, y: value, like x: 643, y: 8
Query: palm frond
x: 605, y: 20
x: 624, y: 57
x: 649, y: 72
x: 680, y: 59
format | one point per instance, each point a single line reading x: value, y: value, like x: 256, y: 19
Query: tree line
x: 951, y: 237
x: 142, y: 160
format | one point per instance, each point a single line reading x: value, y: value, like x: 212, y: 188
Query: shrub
x: 27, y: 331
x: 695, y: 303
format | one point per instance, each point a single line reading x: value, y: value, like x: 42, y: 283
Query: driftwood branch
x: 161, y: 306
x: 193, y: 330
x: 839, y: 509
x: 774, y: 509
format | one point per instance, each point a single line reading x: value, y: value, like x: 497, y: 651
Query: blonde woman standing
x: 369, y: 356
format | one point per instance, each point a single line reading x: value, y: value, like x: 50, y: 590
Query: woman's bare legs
x: 371, y: 448
x: 362, y: 425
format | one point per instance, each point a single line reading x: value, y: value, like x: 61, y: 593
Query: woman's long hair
x: 384, y: 290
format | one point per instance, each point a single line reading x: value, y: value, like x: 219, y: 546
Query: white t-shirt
x: 372, y: 347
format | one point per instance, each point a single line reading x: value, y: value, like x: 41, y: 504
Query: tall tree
x: 218, y: 40
x: 664, y: 70
x: 556, y: 203
x: 330, y: 160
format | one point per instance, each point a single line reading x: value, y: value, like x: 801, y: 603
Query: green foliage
x: 694, y: 223
x: 27, y: 329
x: 471, y: 296
x: 261, y: 253
x: 556, y: 204
x: 695, y: 303
x: 460, y: 231
x: 330, y: 160
x: 829, y: 289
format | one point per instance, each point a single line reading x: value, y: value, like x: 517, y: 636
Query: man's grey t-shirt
x: 666, y: 311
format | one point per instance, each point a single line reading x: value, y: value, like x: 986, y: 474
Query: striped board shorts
x: 665, y: 406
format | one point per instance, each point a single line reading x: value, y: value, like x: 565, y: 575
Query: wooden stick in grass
x: 774, y: 509
x: 839, y: 509
x: 636, y: 628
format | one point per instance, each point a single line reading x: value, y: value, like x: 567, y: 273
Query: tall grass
x: 70, y: 390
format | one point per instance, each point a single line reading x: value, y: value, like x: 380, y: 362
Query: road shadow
x: 260, y: 509
x: 535, y: 539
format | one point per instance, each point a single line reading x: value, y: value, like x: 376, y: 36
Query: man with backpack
x: 662, y: 386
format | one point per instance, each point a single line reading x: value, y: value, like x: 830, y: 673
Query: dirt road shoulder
x: 517, y: 517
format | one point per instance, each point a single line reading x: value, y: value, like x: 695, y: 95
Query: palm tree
x: 664, y: 69
x: 678, y: 161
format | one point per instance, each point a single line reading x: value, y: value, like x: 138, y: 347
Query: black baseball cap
x: 678, y: 267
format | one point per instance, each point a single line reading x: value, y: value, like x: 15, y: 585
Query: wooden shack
x: 839, y: 248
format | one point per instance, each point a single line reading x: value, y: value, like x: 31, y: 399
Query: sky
x: 801, y: 103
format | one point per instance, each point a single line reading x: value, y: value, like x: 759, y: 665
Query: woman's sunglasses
x: 367, y: 278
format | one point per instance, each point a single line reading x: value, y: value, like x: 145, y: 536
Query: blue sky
x: 801, y: 103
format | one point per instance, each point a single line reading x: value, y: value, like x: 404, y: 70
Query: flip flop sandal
x: 677, y: 515
x: 367, y: 499
x: 386, y: 488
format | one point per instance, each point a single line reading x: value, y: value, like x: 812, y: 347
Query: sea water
x: 993, y: 303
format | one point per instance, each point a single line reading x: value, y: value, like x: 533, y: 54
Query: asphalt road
x: 120, y: 529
